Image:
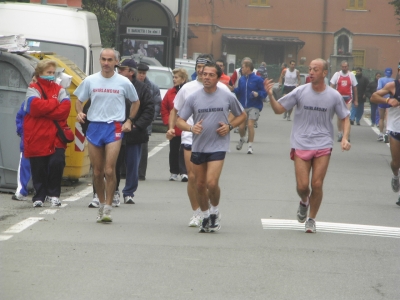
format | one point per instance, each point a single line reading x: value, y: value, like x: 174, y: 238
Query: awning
x: 263, y: 39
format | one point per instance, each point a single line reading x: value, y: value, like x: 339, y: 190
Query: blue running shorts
x: 102, y: 133
x: 199, y: 158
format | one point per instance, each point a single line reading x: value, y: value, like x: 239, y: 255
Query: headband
x: 202, y: 61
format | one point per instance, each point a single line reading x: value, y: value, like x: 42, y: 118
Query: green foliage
x: 396, y: 4
x: 106, y: 13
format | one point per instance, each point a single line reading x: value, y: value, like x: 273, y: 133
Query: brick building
x: 364, y: 32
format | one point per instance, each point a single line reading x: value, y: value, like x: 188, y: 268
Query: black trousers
x: 176, y: 158
x: 143, y: 161
x: 47, y: 174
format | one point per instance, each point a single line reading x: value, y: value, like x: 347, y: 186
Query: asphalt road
x: 261, y: 252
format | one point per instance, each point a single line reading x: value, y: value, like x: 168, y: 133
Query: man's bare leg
x: 242, y: 129
x: 200, y: 173
x: 111, y: 156
x: 319, y: 169
x: 302, y: 171
x: 395, y: 151
x: 250, y: 128
x: 97, y: 158
x: 191, y: 187
x: 214, y: 169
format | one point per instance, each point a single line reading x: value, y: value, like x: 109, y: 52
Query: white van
x: 67, y: 31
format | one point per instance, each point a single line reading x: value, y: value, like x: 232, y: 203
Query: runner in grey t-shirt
x: 312, y: 135
x: 210, y: 108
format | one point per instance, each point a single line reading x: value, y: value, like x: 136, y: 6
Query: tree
x: 396, y: 4
x: 106, y: 13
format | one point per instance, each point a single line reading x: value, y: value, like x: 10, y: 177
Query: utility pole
x: 183, y: 26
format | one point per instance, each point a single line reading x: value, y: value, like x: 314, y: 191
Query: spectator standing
x: 371, y: 88
x: 176, y: 156
x: 46, y: 102
x: 155, y: 94
x: 358, y: 111
x: 24, y: 167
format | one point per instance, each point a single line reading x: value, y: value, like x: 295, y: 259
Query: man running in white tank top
x: 292, y: 80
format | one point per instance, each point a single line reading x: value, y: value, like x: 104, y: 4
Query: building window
x: 259, y: 2
x: 356, y: 4
x: 359, y: 58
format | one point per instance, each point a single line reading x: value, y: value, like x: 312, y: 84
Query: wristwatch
x: 230, y: 126
x: 131, y: 120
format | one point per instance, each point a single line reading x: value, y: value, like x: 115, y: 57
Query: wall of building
x: 374, y: 29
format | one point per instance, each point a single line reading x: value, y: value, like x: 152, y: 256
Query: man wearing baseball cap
x: 382, y: 107
x: 138, y: 135
x: 156, y: 96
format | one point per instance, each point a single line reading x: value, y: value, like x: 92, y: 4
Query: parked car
x: 188, y: 64
x: 150, y: 61
x: 163, y: 78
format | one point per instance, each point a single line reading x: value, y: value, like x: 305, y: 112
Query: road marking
x: 79, y: 195
x: 22, y: 225
x: 157, y: 148
x: 48, y: 212
x: 374, y: 129
x: 5, y: 237
x: 381, y: 231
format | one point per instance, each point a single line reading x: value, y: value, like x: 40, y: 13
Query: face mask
x: 47, y: 77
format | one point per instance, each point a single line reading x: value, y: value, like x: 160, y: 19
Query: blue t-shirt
x: 107, y: 96
x: 382, y: 82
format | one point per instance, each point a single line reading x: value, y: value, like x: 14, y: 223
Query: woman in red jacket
x: 176, y: 161
x: 45, y: 102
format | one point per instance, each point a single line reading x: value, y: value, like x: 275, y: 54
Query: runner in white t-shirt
x: 188, y: 89
x: 312, y: 135
x: 107, y: 91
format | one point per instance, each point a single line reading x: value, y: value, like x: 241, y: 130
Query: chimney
x: 71, y: 3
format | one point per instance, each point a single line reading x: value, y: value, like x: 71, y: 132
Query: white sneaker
x: 55, y: 201
x: 173, y: 177
x: 38, y: 203
x: 184, y: 178
x: 250, y: 150
x: 19, y: 197
x: 129, y: 200
x: 106, y: 215
x: 195, y: 221
x: 100, y: 214
x: 95, y: 202
x: 240, y: 144
x: 380, y: 138
x: 116, y: 202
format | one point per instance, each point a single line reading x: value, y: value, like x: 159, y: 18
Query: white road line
x: 48, y: 212
x: 381, y: 231
x: 5, y: 237
x: 22, y: 225
x: 157, y: 148
x: 79, y: 195
x: 63, y: 205
x: 374, y: 129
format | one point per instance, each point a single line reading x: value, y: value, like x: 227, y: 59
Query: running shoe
x: 100, y: 214
x: 380, y: 138
x: 47, y: 199
x: 184, y: 178
x: 95, y: 202
x: 386, y: 138
x: 398, y: 201
x: 302, y: 213
x: 250, y: 150
x: 351, y: 122
x: 285, y: 114
x: 358, y: 123
x: 128, y: 200
x: 395, y: 184
x: 106, y: 215
x: 340, y: 137
x: 310, y: 226
x: 288, y: 118
x: 215, y: 220
x: 195, y: 221
x: 116, y: 202
x: 255, y: 124
x: 205, y: 226
x: 240, y: 144
x: 38, y: 203
x: 19, y: 197
x: 173, y: 177
x: 55, y: 201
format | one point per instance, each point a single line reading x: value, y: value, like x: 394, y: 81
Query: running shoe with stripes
x: 129, y: 200
x: 302, y: 212
x: 19, y: 197
x: 310, y: 226
x: 38, y: 203
x: 95, y: 203
x: 100, y: 214
x: 106, y: 215
x: 116, y: 202
x: 215, y: 222
x: 395, y: 184
x: 195, y: 221
x: 205, y: 225
x: 173, y: 177
x: 250, y: 150
x: 55, y: 201
x: 240, y: 144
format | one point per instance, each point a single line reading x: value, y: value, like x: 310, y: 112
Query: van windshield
x: 73, y: 52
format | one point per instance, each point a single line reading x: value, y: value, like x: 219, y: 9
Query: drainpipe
x: 324, y: 22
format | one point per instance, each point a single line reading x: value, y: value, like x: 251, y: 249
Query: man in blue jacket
x: 250, y: 93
